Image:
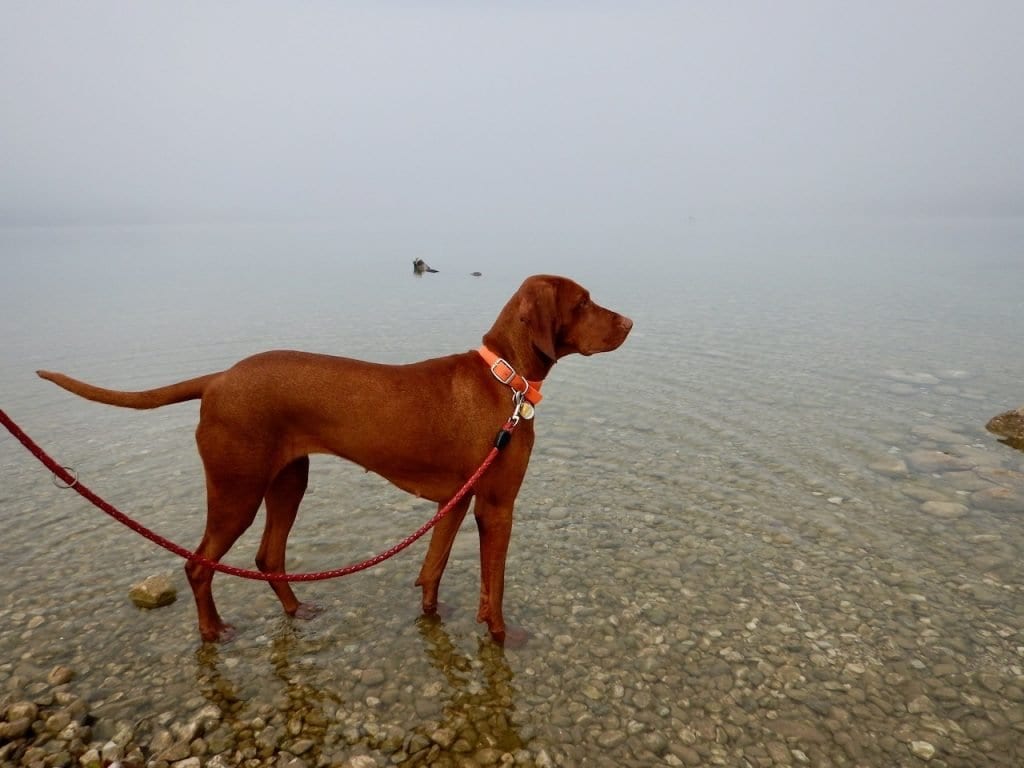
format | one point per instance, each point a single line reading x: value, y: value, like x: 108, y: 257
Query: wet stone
x: 15, y: 729
x: 923, y: 493
x: 965, y: 481
x: 22, y: 710
x: 57, y: 721
x: 890, y: 466
x: 111, y: 752
x: 153, y: 592
x: 686, y: 754
x: 922, y: 749
x: 443, y: 737
x: 919, y: 705
x: 1001, y: 476
x: 611, y: 738
x: 488, y: 756
x: 944, y: 509
x: 800, y: 731
x: 999, y: 499
x: 372, y: 677
x: 930, y: 462
x: 60, y: 675
x: 984, y: 594
x: 1008, y: 425
x: 779, y: 753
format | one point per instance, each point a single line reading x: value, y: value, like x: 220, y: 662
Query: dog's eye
x: 584, y: 303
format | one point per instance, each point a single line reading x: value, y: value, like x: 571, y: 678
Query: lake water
x: 769, y: 530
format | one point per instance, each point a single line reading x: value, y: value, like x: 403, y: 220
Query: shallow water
x: 757, y: 534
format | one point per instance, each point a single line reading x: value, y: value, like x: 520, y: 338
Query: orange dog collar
x: 507, y: 375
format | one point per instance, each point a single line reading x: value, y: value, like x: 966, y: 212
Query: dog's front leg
x: 441, y: 540
x: 494, y: 522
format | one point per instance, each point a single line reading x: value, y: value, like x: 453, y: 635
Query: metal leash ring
x: 66, y: 486
x: 523, y: 408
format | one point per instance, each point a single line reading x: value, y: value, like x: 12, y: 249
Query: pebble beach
x: 778, y: 546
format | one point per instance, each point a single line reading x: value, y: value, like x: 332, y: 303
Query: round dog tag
x: 526, y: 410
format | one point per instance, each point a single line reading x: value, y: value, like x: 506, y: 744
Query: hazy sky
x: 545, y: 113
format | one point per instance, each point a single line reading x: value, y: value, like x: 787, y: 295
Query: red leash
x: 71, y: 481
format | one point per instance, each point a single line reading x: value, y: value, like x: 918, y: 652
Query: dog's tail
x: 150, y: 398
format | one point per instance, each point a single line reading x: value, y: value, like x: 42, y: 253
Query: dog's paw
x: 511, y: 637
x: 222, y: 633
x: 442, y: 610
x: 307, y: 611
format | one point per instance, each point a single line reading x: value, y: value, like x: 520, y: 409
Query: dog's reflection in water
x: 476, y: 708
x: 481, y: 701
x: 298, y: 713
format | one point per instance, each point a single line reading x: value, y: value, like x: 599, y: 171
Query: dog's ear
x: 538, y: 312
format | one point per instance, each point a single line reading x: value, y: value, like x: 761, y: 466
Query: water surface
x: 731, y: 547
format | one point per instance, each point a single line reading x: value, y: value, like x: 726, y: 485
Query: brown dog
x: 426, y: 427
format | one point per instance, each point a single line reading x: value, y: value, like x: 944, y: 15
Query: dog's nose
x: 626, y: 323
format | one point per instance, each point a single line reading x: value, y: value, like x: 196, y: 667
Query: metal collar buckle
x: 503, y: 371
x: 510, y: 372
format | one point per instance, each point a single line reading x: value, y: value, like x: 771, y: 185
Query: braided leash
x: 70, y: 480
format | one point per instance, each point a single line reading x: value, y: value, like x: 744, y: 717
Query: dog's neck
x: 506, y: 373
x: 529, y: 362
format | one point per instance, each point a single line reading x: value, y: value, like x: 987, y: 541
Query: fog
x: 434, y: 119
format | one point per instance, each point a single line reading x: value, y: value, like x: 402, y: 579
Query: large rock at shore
x: 1010, y: 427
x: 153, y: 592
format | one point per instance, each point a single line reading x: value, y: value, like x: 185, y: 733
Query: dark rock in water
x: 1010, y: 427
x: 476, y: 274
x: 153, y: 592
x: 419, y: 266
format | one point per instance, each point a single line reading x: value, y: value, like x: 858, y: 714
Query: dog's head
x: 561, y: 318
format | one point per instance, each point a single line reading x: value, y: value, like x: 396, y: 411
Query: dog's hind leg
x: 282, y: 500
x: 231, y: 508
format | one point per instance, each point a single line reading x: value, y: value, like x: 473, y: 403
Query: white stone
x: 922, y: 749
